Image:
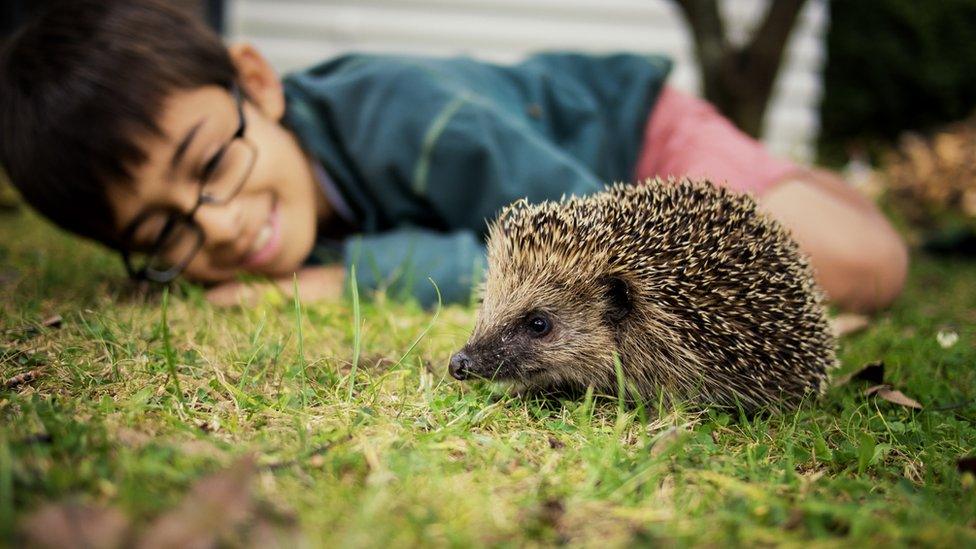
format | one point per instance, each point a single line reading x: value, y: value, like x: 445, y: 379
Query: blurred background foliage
x: 895, y: 65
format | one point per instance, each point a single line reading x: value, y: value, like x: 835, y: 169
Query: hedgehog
x: 686, y: 288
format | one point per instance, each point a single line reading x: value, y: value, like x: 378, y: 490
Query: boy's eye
x: 211, y: 166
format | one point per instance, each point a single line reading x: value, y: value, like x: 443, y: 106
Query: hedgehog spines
x: 724, y: 305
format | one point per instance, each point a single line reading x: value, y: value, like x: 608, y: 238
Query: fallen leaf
x: 666, y: 440
x: 795, y: 519
x: 132, y: 438
x: 218, y: 511
x: 872, y: 372
x: 53, y: 321
x: 947, y: 338
x: 846, y: 324
x: 551, y: 512
x: 270, y: 530
x: 894, y: 396
x: 21, y: 379
x: 215, y: 507
x: 69, y: 525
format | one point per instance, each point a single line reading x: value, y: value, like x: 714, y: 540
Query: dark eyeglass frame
x: 144, y: 270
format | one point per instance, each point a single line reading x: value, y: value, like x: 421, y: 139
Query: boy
x: 130, y: 123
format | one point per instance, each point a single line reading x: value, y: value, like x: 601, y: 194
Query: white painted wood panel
x: 297, y: 33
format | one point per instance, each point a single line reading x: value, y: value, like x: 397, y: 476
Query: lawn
x: 148, y: 418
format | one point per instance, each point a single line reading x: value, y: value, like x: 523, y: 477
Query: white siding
x: 297, y: 33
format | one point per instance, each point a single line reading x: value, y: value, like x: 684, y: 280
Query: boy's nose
x: 221, y: 224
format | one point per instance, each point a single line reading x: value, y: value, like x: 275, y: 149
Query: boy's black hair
x: 79, y: 84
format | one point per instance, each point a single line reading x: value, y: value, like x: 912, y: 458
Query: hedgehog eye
x: 539, y: 326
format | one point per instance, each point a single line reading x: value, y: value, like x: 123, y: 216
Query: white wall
x: 298, y: 33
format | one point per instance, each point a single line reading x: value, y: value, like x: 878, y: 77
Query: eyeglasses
x: 180, y: 237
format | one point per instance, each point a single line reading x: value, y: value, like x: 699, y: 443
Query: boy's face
x: 266, y: 227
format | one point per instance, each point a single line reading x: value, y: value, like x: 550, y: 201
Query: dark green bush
x: 896, y: 65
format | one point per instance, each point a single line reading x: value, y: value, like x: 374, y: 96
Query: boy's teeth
x: 262, y: 238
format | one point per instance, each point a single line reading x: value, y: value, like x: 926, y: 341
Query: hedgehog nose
x: 460, y: 365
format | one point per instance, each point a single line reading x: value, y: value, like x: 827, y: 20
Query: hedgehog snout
x: 461, y: 364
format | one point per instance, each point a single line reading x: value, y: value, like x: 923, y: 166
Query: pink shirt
x: 687, y: 137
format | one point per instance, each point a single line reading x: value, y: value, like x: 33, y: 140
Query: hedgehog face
x: 542, y: 332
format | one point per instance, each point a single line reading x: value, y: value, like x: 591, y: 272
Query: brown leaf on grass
x: 894, y: 396
x: 551, y: 512
x: 270, y: 530
x: 21, y: 379
x: 872, y: 372
x: 666, y: 440
x: 967, y: 465
x: 218, y: 511
x: 32, y: 329
x: 846, y: 324
x: 795, y: 519
x: 132, y: 438
x: 215, y: 507
x: 69, y: 525
x: 53, y: 321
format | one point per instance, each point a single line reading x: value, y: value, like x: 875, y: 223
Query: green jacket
x: 426, y: 151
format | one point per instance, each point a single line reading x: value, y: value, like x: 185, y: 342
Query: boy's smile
x: 259, y: 206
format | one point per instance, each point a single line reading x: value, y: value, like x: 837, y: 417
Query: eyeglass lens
x: 223, y: 183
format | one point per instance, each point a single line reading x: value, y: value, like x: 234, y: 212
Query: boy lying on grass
x: 129, y: 122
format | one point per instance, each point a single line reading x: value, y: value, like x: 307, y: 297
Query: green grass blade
x: 168, y: 352
x: 430, y: 325
x: 301, y: 338
x: 357, y: 329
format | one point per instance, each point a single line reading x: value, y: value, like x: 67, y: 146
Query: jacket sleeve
x: 475, y: 160
x: 401, y: 262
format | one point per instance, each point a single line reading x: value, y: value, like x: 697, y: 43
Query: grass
x: 361, y: 437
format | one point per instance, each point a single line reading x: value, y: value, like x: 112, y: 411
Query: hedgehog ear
x: 619, y: 300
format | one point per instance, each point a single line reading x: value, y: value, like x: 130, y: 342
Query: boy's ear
x: 258, y: 80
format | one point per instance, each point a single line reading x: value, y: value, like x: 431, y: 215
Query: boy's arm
x: 400, y: 262
x: 410, y: 262
x: 321, y: 282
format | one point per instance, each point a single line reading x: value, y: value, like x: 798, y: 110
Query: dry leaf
x: 218, y: 511
x: 886, y: 392
x: 21, y: 379
x: 551, y: 512
x: 872, y: 372
x: 846, y: 324
x: 269, y: 531
x: 132, y: 438
x: 70, y: 525
x: 53, y: 321
x: 666, y: 440
x: 215, y: 507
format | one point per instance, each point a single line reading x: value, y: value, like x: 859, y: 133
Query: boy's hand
x: 314, y: 284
